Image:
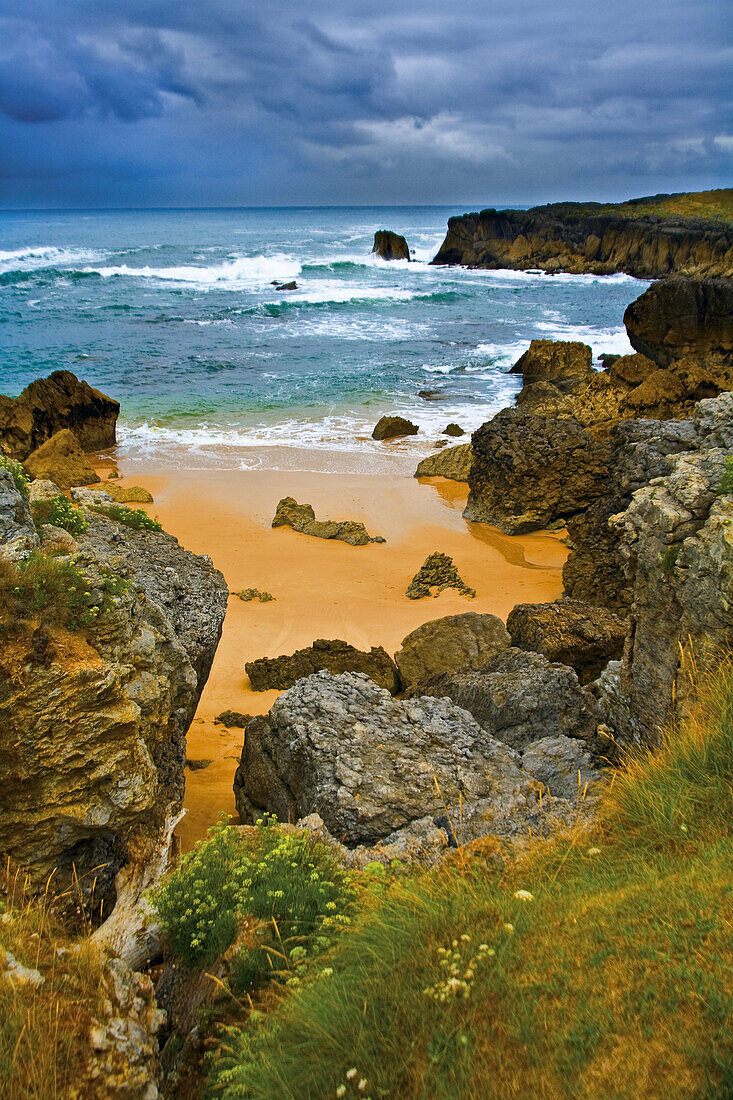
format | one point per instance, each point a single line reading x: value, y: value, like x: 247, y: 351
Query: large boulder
x: 532, y: 471
x: 374, y: 767
x: 520, y: 697
x: 449, y: 644
x: 301, y: 517
x: 391, y: 427
x: 50, y: 404
x: 452, y: 462
x: 678, y: 317
x: 93, y: 721
x: 569, y: 632
x: 563, y: 362
x: 61, y: 460
x: 332, y: 655
x: 123, y: 493
x: 677, y: 540
x: 390, y: 246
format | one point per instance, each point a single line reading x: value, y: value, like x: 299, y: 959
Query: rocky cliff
x: 642, y: 238
x: 107, y: 643
x: 51, y: 404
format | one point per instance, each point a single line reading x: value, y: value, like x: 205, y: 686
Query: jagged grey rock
x: 372, y: 766
x: 520, y: 697
x: 17, y: 534
x: 563, y: 765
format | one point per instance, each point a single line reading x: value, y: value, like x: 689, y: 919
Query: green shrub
x: 39, y: 585
x: 726, y: 481
x: 60, y: 512
x: 287, y: 881
x: 137, y: 518
x: 18, y: 474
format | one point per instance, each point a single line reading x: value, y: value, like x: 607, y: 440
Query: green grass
x: 44, y: 587
x: 615, y: 980
x: 710, y: 205
x: 136, y: 518
x: 18, y: 474
x: 60, y: 512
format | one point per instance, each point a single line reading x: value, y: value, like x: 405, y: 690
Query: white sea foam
x: 242, y: 272
x: 34, y: 258
x: 612, y: 340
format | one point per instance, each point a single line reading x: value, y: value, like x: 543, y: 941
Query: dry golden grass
x: 44, y: 1028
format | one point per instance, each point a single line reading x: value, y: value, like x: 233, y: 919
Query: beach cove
x: 324, y: 588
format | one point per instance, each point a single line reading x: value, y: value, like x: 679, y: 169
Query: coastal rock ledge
x: 94, y: 712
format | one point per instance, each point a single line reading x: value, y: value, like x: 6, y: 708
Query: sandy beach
x: 324, y: 589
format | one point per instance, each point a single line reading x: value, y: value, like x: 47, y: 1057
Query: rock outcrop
x: 455, y: 642
x: 375, y: 768
x: 644, y: 237
x: 530, y: 471
x: 520, y: 697
x: 301, y: 517
x: 17, y: 533
x: 127, y: 494
x: 452, y: 462
x: 676, y: 318
x: 677, y: 541
x: 61, y: 460
x: 390, y: 246
x: 50, y: 404
x: 570, y: 632
x: 563, y: 362
x: 332, y: 655
x: 392, y: 427
x: 435, y: 575
x: 93, y: 721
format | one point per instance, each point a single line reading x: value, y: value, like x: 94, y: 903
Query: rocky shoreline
x: 475, y: 729
x: 639, y: 238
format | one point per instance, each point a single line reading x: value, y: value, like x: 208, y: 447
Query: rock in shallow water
x: 390, y: 427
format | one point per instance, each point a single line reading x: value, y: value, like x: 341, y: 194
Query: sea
x: 177, y: 314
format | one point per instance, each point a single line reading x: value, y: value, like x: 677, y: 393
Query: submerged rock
x: 390, y: 246
x: 301, y: 517
x: 333, y: 655
x: 390, y: 427
x: 569, y: 632
x: 50, y: 404
x: 449, y: 644
x: 436, y: 572
x: 375, y: 767
x: 453, y: 462
x: 61, y: 460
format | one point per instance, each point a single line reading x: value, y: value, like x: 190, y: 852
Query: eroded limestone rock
x: 449, y: 644
x: 333, y: 655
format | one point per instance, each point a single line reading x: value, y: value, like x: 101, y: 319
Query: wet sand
x: 325, y: 589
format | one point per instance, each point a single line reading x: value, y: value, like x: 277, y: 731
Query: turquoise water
x: 174, y: 313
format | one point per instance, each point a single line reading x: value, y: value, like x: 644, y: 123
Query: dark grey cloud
x: 223, y: 101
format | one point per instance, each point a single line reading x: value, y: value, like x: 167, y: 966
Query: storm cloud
x: 159, y: 102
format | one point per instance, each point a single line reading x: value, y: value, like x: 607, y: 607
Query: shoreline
x: 323, y: 589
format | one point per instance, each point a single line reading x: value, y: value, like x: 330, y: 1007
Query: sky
x: 117, y: 103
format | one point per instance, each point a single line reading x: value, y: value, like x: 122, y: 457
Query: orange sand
x: 326, y: 589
